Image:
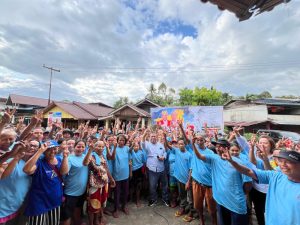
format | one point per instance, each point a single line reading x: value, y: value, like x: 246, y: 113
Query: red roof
x: 95, y: 110
x: 26, y: 100
x: 69, y: 107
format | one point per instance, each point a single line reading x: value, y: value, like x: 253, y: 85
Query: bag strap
x: 56, y: 170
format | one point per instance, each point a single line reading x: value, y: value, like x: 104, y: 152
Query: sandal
x: 180, y: 212
x: 188, y: 218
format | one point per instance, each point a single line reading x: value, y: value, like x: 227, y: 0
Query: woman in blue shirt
x: 75, y: 186
x: 138, y: 160
x: 46, y: 192
x: 121, y: 164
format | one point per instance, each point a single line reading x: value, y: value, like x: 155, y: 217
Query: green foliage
x: 122, y: 101
x: 264, y: 94
x: 288, y: 97
x: 203, y: 97
x: 162, y: 95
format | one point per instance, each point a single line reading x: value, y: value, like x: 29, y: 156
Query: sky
x: 110, y: 49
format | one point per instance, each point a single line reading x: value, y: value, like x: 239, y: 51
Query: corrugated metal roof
x: 138, y: 110
x: 243, y: 124
x: 277, y: 101
x: 72, y: 109
x: 95, y: 110
x: 26, y: 100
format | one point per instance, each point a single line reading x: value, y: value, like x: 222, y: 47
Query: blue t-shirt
x: 121, y: 164
x: 183, y: 162
x: 76, y: 180
x: 201, y: 171
x: 283, y: 198
x: 13, y: 190
x: 109, y: 162
x: 138, y: 159
x: 46, y: 190
x: 227, y: 184
x: 171, y: 160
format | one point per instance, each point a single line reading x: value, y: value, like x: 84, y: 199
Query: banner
x: 197, y: 118
x: 54, y: 117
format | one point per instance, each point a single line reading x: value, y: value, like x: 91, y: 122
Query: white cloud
x: 95, y: 43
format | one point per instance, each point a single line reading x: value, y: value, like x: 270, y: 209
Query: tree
x: 122, y: 101
x: 162, y: 95
x: 202, y: 96
x: 264, y: 94
x: 288, y: 97
x: 186, y: 96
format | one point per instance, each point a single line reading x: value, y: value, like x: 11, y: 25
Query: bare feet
x: 125, y: 210
x: 115, y: 214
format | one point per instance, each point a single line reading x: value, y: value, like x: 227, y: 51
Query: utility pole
x: 51, y: 69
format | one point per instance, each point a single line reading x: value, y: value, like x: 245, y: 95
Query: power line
x: 204, y: 68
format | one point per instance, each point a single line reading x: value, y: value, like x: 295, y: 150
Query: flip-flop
x: 179, y: 213
x: 188, y: 218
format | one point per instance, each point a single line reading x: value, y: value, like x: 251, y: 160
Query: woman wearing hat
x: 46, y: 192
x: 283, y: 196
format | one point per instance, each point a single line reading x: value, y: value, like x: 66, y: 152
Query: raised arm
x: 12, y: 153
x: 137, y: 124
x: 240, y: 168
x: 30, y: 165
x: 6, y: 118
x: 186, y: 140
x: 197, y: 153
x: 251, y: 150
x: 113, y: 155
x: 64, y: 169
x: 12, y: 164
x: 87, y: 157
x: 33, y: 123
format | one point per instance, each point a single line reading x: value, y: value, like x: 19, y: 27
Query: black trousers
x: 259, y: 201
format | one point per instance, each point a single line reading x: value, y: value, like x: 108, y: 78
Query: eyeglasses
x: 33, y: 146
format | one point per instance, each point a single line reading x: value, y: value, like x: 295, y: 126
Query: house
x: 26, y: 106
x: 131, y: 112
x: 270, y: 113
x: 2, y: 103
x: 71, y: 114
x: 244, y: 9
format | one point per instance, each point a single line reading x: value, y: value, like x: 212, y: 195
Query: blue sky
x: 109, y: 49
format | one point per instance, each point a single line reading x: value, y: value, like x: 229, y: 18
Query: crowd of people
x: 50, y: 177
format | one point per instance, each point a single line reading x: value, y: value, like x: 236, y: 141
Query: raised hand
x: 66, y: 152
x: 226, y: 155
x: 6, y: 118
x: 139, y: 119
x: 253, y: 141
x: 19, y: 147
x: 21, y: 120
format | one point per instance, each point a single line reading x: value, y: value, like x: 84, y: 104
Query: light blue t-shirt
x: 171, y: 160
x: 227, y: 184
x: 76, y: 180
x: 201, y: 171
x: 13, y: 190
x: 121, y: 164
x: 138, y: 159
x: 109, y: 162
x: 183, y: 162
x: 283, y: 198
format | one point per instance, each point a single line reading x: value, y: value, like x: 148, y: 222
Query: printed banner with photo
x: 54, y: 117
x: 197, y: 118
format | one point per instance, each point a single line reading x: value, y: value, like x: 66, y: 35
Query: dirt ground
x: 157, y: 215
